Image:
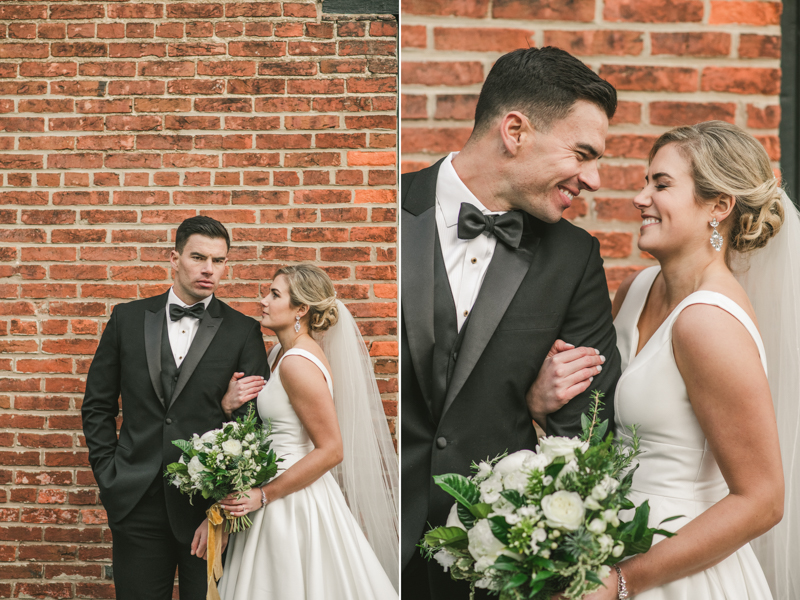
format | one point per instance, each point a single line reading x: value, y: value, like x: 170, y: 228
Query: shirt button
x: 184, y: 331
x: 466, y: 312
x: 169, y: 421
x: 441, y: 443
x: 180, y: 358
x: 474, y: 260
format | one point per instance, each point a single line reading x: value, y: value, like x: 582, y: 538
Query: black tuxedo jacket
x: 553, y: 286
x: 128, y: 363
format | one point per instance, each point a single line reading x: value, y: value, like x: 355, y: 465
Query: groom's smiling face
x: 552, y: 167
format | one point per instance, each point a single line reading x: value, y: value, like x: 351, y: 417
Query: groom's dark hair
x: 203, y: 226
x: 543, y: 84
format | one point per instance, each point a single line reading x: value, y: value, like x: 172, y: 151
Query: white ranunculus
x: 232, y: 447
x: 599, y: 492
x: 536, y: 462
x: 490, y: 488
x: 563, y: 510
x: 453, y: 520
x: 553, y: 446
x: 195, y: 467
x: 247, y: 454
x: 483, y: 546
x: 445, y: 558
x: 596, y: 526
x: 528, y: 511
x: 516, y: 480
x: 209, y: 436
x: 249, y: 437
x: 512, y: 462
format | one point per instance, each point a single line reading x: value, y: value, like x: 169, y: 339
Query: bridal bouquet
x: 222, y: 461
x: 533, y: 524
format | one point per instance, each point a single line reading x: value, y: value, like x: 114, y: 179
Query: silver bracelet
x: 264, y: 500
x: 622, y: 588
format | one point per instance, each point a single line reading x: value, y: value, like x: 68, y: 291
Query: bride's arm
x: 308, y: 392
x: 719, y: 363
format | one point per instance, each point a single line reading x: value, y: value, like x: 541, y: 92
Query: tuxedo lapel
x: 154, y: 322
x: 503, y: 278
x: 206, y: 331
x: 418, y: 227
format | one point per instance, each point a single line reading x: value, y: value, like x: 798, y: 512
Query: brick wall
x: 119, y: 120
x: 673, y: 62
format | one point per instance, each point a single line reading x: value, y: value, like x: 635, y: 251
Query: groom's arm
x: 588, y: 323
x: 101, y: 400
x: 252, y: 361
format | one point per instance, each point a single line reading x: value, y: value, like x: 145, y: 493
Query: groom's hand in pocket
x: 566, y: 372
x: 241, y: 389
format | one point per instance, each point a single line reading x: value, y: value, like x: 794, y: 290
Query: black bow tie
x: 506, y: 227
x: 176, y: 312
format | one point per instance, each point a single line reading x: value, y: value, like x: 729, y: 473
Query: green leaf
x: 514, y: 497
x: 459, y: 487
x: 177, y: 467
x: 544, y: 563
x: 481, y: 510
x: 185, y: 446
x: 516, y: 581
x: 668, y: 519
x: 465, y: 516
x: 499, y: 529
x: 542, y: 575
x: 601, y: 430
x: 446, y: 536
x: 536, y: 588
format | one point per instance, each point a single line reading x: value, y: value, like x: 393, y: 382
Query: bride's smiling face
x: 672, y: 219
x: 277, y: 311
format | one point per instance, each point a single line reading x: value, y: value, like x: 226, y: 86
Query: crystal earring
x: 297, y: 324
x: 716, y: 238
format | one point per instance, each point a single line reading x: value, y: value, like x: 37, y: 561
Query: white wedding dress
x: 677, y: 471
x: 306, y: 545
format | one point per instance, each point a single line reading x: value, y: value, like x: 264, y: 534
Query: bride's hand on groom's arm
x: 566, y: 372
x: 241, y: 389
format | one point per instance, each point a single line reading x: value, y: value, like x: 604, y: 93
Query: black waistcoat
x: 169, y: 370
x: 447, y: 337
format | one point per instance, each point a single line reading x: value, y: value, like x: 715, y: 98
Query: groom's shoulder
x: 566, y: 234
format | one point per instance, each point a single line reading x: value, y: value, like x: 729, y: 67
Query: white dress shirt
x: 466, y: 261
x: 182, y: 331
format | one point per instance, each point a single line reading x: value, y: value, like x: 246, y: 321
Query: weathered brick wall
x: 673, y: 62
x: 119, y: 120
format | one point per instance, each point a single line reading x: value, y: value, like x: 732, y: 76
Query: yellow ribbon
x: 214, y: 564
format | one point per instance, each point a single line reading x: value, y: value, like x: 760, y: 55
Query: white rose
x: 453, y: 520
x: 597, y: 526
x: 483, y: 546
x: 445, y: 558
x: 232, y: 447
x: 563, y: 510
x: 195, y: 467
x: 490, y: 489
x: 247, y: 454
x: 536, y: 462
x: 512, y: 462
x: 554, y: 446
x: 209, y: 436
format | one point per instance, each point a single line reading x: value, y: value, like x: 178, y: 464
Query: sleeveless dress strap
x: 272, y: 354
x: 728, y: 305
x: 313, y: 359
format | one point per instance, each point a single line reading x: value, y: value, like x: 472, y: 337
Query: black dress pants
x: 146, y: 554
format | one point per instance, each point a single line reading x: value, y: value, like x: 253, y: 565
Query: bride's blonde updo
x: 310, y: 285
x: 727, y: 160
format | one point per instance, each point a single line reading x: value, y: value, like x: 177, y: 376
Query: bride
x: 695, y: 372
x: 329, y: 427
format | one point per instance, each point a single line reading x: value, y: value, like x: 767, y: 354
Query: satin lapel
x: 153, y: 326
x: 418, y: 229
x: 419, y: 233
x: 503, y: 278
x: 206, y: 330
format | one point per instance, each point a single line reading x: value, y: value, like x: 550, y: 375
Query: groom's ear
x: 514, y: 129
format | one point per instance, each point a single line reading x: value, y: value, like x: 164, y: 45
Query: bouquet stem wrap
x: 216, y: 522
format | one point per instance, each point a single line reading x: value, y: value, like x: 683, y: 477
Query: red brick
x: 226, y: 68
x: 312, y: 48
x: 651, y: 79
x: 13, y: 124
x: 767, y: 117
x: 654, y: 11
x: 356, y: 158
x: 481, y: 39
x: 111, y: 31
x: 691, y: 43
x: 442, y: 73
x: 544, y: 10
x: 108, y: 69
x: 136, y: 50
x: 689, y: 113
x: 753, y: 45
x: 629, y: 145
x: 24, y: 50
x: 592, y: 42
x: 196, y: 49
x: 52, y: 69
x: 136, y: 88
x: 170, y: 105
x: 622, y: 177
x: 196, y: 86
x: 411, y: 36
x: 79, y: 49
x: 267, y: 49
x: 744, y: 80
x: 47, y: 143
x: 71, y: 198
x: 750, y: 13
x: 435, y: 140
x: 463, y: 8
x: 147, y: 197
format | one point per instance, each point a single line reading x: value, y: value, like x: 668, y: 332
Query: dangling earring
x: 716, y: 238
x: 297, y: 324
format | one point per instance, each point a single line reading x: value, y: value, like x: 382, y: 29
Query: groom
x: 492, y: 278
x: 170, y: 358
